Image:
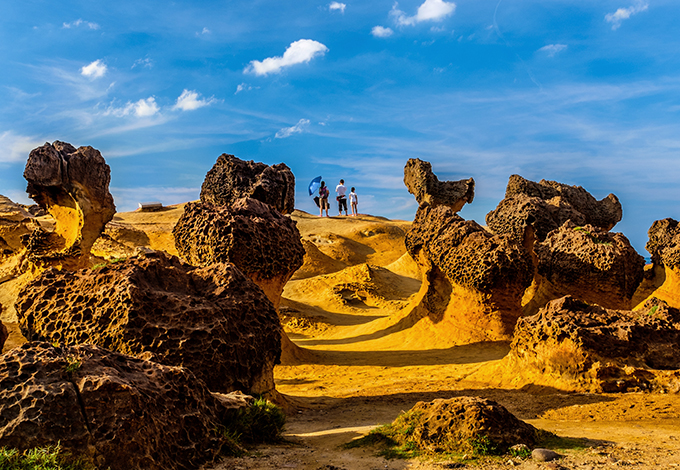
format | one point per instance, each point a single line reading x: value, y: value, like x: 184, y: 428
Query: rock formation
x: 213, y: 320
x: 547, y: 205
x: 252, y: 235
x: 465, y: 424
x: 116, y: 411
x: 15, y: 222
x: 588, y: 263
x: 428, y: 190
x: 572, y: 345
x: 73, y: 186
x: 664, y: 247
x: 4, y: 333
x: 232, y: 178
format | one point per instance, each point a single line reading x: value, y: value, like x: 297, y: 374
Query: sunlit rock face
x: 664, y: 247
x: 212, y: 320
x: 73, y: 186
x: 15, y: 222
x: 232, y: 178
x: 572, y: 345
x: 473, y: 280
x: 111, y: 409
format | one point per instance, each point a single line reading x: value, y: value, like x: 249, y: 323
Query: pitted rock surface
x: 664, y: 243
x: 232, y: 178
x: 73, y: 186
x: 4, y: 333
x: 547, y: 205
x: 213, y: 320
x: 457, y: 424
x: 588, y: 263
x: 600, y: 350
x: 15, y: 222
x: 427, y: 189
x: 116, y: 411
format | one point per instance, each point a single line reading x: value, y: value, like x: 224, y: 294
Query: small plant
x: 260, y: 422
x: 41, y: 458
x: 653, y: 310
x: 73, y: 365
x: 99, y: 266
x: 117, y: 260
x: 592, y: 236
x: 482, y: 445
x: 520, y: 451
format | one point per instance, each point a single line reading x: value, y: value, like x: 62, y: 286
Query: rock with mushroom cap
x: 427, y: 189
x: 212, y: 320
x: 232, y: 178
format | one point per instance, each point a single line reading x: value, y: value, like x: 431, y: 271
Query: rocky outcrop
x: 465, y: 425
x: 588, y: 263
x: 573, y: 345
x: 663, y: 279
x: 232, y: 178
x: 213, y: 320
x: 547, y: 205
x: 255, y: 237
x: 428, y: 190
x: 116, y: 411
x: 4, y: 333
x: 73, y: 186
x: 15, y: 222
x: 473, y: 280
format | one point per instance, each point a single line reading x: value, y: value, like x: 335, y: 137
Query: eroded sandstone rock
x: 664, y: 248
x: 73, y: 186
x: 4, y: 333
x: 15, y: 222
x: 212, y: 320
x: 471, y: 278
x: 427, y: 189
x: 547, y: 205
x: 587, y: 263
x: 465, y: 424
x: 573, y: 345
x: 116, y: 411
x: 232, y: 178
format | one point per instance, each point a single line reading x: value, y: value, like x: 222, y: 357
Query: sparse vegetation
x: 593, y: 237
x: 73, y: 365
x: 41, y: 458
x: 261, y: 422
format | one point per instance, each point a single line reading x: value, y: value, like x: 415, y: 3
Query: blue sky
x: 579, y: 92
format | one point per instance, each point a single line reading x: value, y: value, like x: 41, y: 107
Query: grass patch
x: 41, y: 458
x: 261, y: 422
x: 73, y: 365
x: 593, y: 237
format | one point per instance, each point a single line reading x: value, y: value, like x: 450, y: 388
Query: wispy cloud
x: 298, y: 52
x: 621, y: 14
x: 142, y: 108
x: 381, y: 32
x: 203, y: 32
x: 80, y: 22
x: 15, y: 148
x: 243, y: 87
x: 189, y: 100
x: 430, y: 10
x: 337, y: 6
x: 552, y: 49
x: 298, y: 128
x: 96, y: 69
x: 146, y: 63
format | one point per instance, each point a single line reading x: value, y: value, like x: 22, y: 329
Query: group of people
x: 341, y: 191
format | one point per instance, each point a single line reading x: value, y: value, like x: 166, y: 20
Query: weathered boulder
x: 426, y: 187
x: 264, y: 244
x: 73, y: 186
x: 573, y: 345
x: 547, y: 205
x: 464, y: 424
x: 471, y: 278
x: 232, y: 178
x: 587, y: 263
x: 664, y: 247
x: 212, y: 320
x: 116, y: 411
x: 15, y: 222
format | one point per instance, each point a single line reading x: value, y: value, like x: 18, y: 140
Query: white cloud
x: 146, y: 63
x: 381, y: 32
x: 189, y: 101
x: 15, y: 148
x: 552, y: 49
x: 78, y: 22
x: 96, y: 69
x: 624, y: 13
x: 142, y: 108
x: 296, y: 129
x: 243, y: 87
x: 337, y: 6
x: 298, y: 52
x: 430, y: 10
x: 203, y: 32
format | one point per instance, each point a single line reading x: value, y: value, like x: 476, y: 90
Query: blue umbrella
x: 314, y: 185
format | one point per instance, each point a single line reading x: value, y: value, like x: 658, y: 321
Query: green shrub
x: 262, y: 421
x: 41, y: 458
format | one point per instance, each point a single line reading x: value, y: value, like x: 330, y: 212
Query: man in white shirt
x: 342, y: 199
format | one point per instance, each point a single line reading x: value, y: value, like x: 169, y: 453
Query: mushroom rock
x: 546, y: 205
x: 572, y: 345
x: 473, y: 280
x: 588, y: 263
x: 232, y: 178
x: 73, y: 186
x: 664, y: 247
x: 212, y: 320
x: 113, y: 410
x: 427, y: 189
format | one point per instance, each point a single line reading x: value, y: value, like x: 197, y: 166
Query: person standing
x: 353, y: 202
x: 323, y: 202
x: 341, y: 189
